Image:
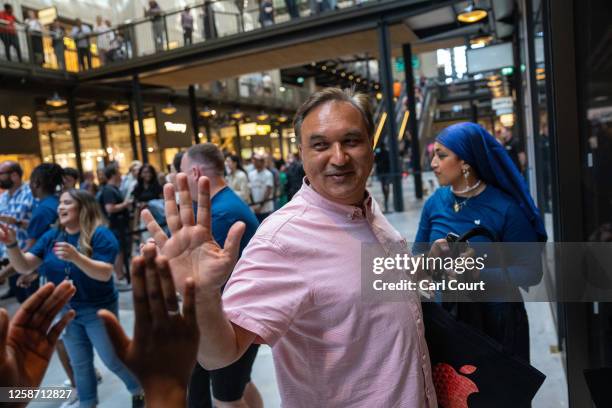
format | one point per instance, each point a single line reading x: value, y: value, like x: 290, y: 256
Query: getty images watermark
x: 489, y: 272
x: 432, y: 272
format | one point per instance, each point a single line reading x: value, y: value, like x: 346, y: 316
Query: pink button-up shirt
x: 298, y: 288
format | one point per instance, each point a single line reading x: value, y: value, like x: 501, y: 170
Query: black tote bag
x: 470, y: 369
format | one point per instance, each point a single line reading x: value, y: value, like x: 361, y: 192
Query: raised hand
x: 163, y: 352
x: 191, y: 249
x: 26, y: 343
x: 7, y: 234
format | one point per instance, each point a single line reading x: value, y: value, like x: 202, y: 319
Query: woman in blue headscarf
x: 481, y: 186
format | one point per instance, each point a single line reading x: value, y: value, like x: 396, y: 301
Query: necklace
x: 467, y: 189
x: 459, y: 205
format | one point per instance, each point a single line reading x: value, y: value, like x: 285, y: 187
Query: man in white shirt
x: 261, y: 182
x: 104, y: 38
x: 80, y: 33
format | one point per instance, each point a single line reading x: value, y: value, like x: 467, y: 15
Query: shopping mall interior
x: 140, y: 86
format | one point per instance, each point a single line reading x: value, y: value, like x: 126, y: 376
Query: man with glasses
x: 16, y: 205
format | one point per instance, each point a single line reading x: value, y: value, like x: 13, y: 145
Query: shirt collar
x: 351, y: 212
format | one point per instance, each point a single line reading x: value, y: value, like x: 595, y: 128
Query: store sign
x: 18, y: 126
x: 175, y: 127
x: 502, y: 103
x: 174, y: 130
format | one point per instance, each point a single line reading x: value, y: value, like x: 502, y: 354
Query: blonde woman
x: 81, y: 250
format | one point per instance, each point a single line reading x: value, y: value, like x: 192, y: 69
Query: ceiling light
x: 343, y: 74
x: 169, y: 109
x: 283, y: 118
x: 481, y: 40
x: 119, y: 107
x: 262, y: 117
x: 471, y: 14
x: 237, y: 114
x: 379, y: 96
x: 282, y: 89
x: 207, y: 112
x: 56, y: 101
x: 494, y: 84
x: 351, y: 77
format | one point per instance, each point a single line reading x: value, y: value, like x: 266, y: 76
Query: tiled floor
x: 112, y: 393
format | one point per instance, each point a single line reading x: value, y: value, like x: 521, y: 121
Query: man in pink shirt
x: 297, y: 286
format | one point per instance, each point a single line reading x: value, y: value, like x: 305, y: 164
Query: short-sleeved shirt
x: 19, y: 205
x: 110, y: 194
x: 298, y: 288
x: 44, y: 216
x: 259, y: 182
x: 89, y: 291
x: 226, y: 208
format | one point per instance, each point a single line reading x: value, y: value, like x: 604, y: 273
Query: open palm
x: 191, y: 249
x: 26, y: 343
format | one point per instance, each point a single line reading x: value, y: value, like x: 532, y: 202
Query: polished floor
x: 553, y: 393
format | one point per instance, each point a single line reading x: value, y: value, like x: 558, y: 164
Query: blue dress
x: 500, y: 214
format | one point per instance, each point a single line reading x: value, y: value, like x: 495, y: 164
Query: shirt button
x: 418, y: 320
x: 424, y: 356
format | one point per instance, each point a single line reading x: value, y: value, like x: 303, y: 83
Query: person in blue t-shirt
x: 81, y: 250
x: 481, y: 186
x: 232, y: 384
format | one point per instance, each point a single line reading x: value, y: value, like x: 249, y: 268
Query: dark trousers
x: 187, y: 36
x: 292, y: 8
x: 84, y: 54
x: 11, y: 40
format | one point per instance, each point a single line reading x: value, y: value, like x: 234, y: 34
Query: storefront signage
x: 174, y: 130
x: 175, y: 127
x: 16, y: 122
x: 18, y: 126
x: 502, y: 103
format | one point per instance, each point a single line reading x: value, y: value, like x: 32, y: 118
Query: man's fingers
x: 167, y: 284
x: 185, y: 200
x: 171, y: 209
x: 204, y: 214
x: 141, y: 301
x: 189, y: 303
x: 115, y: 333
x: 232, y: 242
x: 59, y: 327
x: 153, y: 227
x: 157, y: 305
x: 29, y: 308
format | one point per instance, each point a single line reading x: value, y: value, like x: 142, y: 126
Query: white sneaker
x: 73, y: 401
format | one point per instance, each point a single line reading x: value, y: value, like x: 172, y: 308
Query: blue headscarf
x: 473, y: 144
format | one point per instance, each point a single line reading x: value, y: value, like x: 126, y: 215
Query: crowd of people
x: 114, y: 42
x: 61, y: 226
x: 254, y: 262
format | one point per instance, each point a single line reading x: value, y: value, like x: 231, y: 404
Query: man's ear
x: 300, y: 152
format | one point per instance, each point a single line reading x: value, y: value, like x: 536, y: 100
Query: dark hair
x: 358, y: 100
x: 207, y: 153
x: 154, y: 184
x: 71, y: 172
x: 236, y: 159
x: 110, y: 170
x: 176, y: 162
x: 14, y: 167
x: 47, y: 176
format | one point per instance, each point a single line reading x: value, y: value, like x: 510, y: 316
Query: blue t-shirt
x: 226, y: 208
x: 43, y: 216
x: 89, y: 292
x: 492, y: 209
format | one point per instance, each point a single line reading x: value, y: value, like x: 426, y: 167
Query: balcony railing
x: 149, y: 35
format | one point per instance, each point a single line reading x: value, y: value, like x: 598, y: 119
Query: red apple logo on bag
x: 452, y: 388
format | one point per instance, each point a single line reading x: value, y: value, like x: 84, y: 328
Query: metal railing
x: 156, y: 33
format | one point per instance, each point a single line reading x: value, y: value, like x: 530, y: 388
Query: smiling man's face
x: 337, y: 152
